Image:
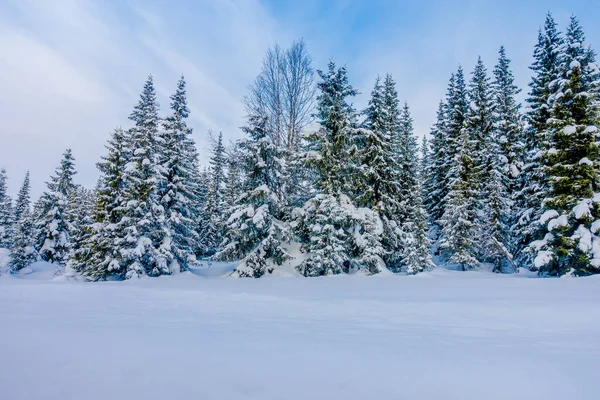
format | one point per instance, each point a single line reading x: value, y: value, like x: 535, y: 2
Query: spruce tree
x: 460, y: 215
x: 79, y: 211
x: 211, y: 233
x: 435, y: 174
x: 53, y: 229
x: 376, y: 186
x: 255, y: 234
x: 331, y: 146
x: 336, y: 236
x: 6, y: 212
x: 177, y: 181
x: 533, y: 185
x: 377, y: 179
x: 571, y: 217
x: 456, y: 178
x: 99, y: 256
x: 507, y: 119
x: 22, y: 250
x: 233, y: 183
x: 414, y: 241
x: 490, y: 172
x: 143, y: 224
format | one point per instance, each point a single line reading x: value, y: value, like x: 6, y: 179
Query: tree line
x: 329, y: 189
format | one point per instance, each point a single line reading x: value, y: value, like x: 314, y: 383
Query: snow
x: 548, y: 215
x: 4, y: 259
x: 585, y: 238
x: 574, y: 64
x: 559, y: 222
x: 543, y: 258
x: 443, y: 334
x: 582, y: 210
x: 595, y: 226
x: 586, y: 161
x: 569, y: 130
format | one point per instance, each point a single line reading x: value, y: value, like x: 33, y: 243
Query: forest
x: 324, y: 188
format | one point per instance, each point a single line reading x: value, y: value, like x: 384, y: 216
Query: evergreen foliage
x: 54, y: 228
x: 255, y: 234
x: 571, y: 215
x: 6, y: 212
x: 22, y: 250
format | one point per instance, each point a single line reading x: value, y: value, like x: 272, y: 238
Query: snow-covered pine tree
x: 571, y: 217
x: 22, y: 250
x: 507, y: 158
x: 423, y: 160
x: 255, y: 235
x: 336, y: 236
x: 211, y: 231
x: 414, y: 240
x: 507, y: 118
x: 533, y: 185
x: 376, y: 181
x: 460, y: 215
x: 143, y: 222
x: 435, y: 174
x: 177, y: 181
x: 53, y: 229
x: 98, y: 256
x: 451, y: 162
x: 22, y: 202
x: 79, y: 212
x: 6, y: 212
x: 490, y: 172
x: 407, y: 161
x: 233, y: 182
x: 330, y: 147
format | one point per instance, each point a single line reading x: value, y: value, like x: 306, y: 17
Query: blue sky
x: 71, y: 70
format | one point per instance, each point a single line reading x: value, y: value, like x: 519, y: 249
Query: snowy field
x: 439, y: 335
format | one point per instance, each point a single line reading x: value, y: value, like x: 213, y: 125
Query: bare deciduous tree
x: 284, y: 92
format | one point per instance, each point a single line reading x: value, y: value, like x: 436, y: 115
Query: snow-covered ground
x: 439, y: 335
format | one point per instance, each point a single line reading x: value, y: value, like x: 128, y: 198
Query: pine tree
x: 22, y: 250
x: 571, y: 217
x: 143, y: 223
x: 454, y: 120
x: 376, y: 179
x: 423, y: 161
x: 98, y: 256
x: 533, y: 184
x: 507, y: 118
x: 414, y: 240
x: 211, y: 233
x: 336, y: 236
x: 434, y: 182
x: 6, y: 212
x: 490, y: 172
x: 79, y: 211
x: 330, y: 147
x: 255, y: 235
x: 416, y: 255
x: 53, y: 230
x: 177, y: 192
x: 459, y: 219
x: 233, y: 183
x: 376, y: 182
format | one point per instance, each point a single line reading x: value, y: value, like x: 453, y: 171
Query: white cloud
x: 71, y: 70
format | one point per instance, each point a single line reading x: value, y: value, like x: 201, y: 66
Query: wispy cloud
x: 71, y: 70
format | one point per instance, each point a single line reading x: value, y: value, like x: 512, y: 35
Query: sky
x: 72, y: 70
